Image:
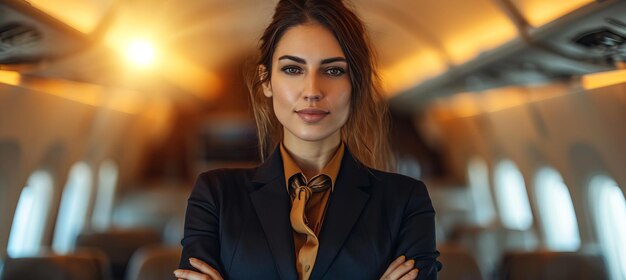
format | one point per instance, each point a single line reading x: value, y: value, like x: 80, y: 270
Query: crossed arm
x: 399, y: 269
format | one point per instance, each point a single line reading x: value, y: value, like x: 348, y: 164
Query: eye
x: 291, y: 70
x: 335, y: 71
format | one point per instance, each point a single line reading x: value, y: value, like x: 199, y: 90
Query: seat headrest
x: 57, y: 267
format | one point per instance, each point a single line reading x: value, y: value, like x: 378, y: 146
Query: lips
x: 312, y: 115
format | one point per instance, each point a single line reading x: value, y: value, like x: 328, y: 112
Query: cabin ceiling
x: 424, y: 47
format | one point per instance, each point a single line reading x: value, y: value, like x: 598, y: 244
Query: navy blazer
x: 237, y: 221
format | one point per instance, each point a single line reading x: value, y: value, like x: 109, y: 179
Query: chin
x: 314, y: 135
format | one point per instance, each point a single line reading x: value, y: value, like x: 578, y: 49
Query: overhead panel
x: 406, y: 56
x: 415, y: 68
x: 222, y: 34
x: 470, y: 28
x: 540, y: 12
x: 464, y: 28
x: 447, y: 33
x: 82, y: 15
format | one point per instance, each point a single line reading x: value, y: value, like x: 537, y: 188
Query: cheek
x: 281, y: 98
x: 345, y: 99
x: 343, y: 106
x: 280, y: 106
x: 283, y: 107
x: 285, y: 91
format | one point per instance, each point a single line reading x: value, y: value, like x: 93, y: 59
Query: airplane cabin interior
x: 513, y: 113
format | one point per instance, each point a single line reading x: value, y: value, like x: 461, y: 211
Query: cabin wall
x: 39, y: 130
x: 580, y: 133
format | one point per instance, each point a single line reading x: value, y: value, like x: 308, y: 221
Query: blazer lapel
x: 346, y: 203
x: 271, y: 203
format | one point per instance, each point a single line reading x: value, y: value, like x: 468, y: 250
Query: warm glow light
x: 116, y: 99
x: 82, y: 15
x: 540, y: 12
x: 478, y: 37
x: 603, y: 79
x: 419, y: 66
x: 498, y: 99
x: 190, y: 76
x: 9, y: 77
x: 141, y: 53
x: 185, y: 73
x: 465, y: 104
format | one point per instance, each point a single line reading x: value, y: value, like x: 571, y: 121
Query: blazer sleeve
x: 202, y: 231
x: 416, y: 238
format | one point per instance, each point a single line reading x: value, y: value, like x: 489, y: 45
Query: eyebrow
x: 302, y: 61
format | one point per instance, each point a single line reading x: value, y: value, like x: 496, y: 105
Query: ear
x: 267, y: 86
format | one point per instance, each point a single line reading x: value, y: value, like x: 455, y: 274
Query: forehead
x: 310, y: 41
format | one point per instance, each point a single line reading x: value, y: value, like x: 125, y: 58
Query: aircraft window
x: 557, y: 211
x: 74, y: 207
x: 107, y: 182
x: 512, y: 198
x: 30, y: 217
x: 478, y: 177
x: 610, y: 213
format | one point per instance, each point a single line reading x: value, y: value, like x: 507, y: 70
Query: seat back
x: 552, y: 265
x: 458, y: 264
x: 154, y: 262
x: 84, y: 265
x: 118, y: 245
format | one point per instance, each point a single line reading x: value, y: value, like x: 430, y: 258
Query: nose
x: 312, y: 97
x: 312, y: 90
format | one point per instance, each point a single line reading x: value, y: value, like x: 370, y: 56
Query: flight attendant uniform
x: 243, y: 221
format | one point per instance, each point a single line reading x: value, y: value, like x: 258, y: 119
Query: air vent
x: 17, y: 42
x: 609, y: 42
x: 603, y: 39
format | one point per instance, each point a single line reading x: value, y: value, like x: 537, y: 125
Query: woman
x: 315, y: 208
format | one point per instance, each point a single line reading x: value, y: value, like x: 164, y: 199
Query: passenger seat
x: 91, y: 264
x: 552, y: 266
x: 458, y: 264
x: 118, y: 245
x: 154, y: 262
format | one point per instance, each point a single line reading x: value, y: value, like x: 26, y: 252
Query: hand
x: 208, y: 273
x: 400, y: 269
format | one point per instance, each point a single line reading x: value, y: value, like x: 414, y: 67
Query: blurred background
x: 512, y: 111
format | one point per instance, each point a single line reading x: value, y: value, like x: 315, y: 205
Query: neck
x: 312, y: 156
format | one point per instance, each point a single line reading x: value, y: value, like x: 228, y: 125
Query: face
x: 310, y: 84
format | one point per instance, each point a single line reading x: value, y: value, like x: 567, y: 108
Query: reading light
x: 10, y: 77
x: 603, y: 79
x: 140, y: 53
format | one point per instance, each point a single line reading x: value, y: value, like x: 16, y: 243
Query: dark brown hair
x: 366, y: 130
